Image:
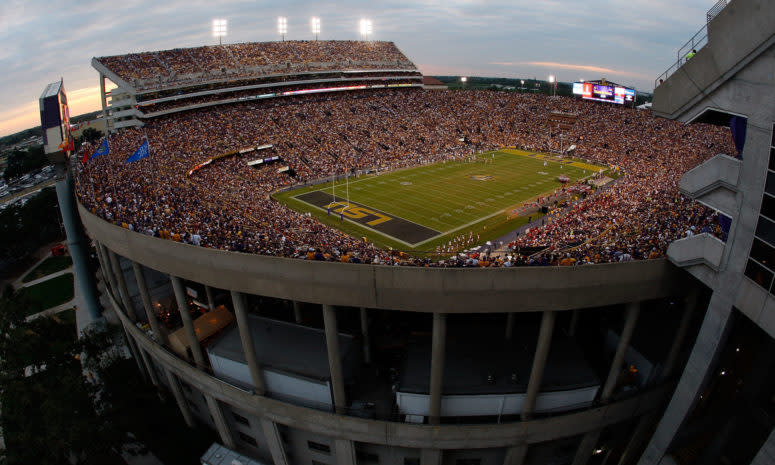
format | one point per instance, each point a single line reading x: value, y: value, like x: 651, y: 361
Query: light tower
x: 315, y: 27
x: 553, y: 82
x: 219, y: 29
x: 365, y: 29
x: 282, y: 26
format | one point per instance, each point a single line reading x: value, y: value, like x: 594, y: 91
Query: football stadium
x: 326, y: 259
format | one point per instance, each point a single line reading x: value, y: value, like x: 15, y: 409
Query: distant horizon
x: 455, y: 38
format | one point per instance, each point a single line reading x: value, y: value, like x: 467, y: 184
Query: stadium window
x: 240, y: 419
x: 468, y: 462
x: 765, y: 230
x: 318, y: 447
x: 758, y: 274
x: 247, y: 439
x: 768, y: 207
x: 411, y: 460
x: 772, y: 158
x: 366, y: 457
x: 763, y: 253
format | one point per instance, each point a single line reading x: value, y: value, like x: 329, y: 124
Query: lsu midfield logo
x: 357, y: 213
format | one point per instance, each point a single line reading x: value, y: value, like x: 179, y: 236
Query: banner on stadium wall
x: 228, y: 154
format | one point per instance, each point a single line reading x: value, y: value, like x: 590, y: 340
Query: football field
x: 421, y: 206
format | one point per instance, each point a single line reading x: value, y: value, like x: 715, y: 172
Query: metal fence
x: 698, y: 40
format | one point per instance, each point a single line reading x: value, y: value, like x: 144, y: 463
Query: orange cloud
x: 26, y: 116
x: 570, y: 66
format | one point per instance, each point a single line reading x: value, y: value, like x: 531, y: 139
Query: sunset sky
x: 629, y: 42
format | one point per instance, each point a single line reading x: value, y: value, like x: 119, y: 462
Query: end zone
x: 397, y: 228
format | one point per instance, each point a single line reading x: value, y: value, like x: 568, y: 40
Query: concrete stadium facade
x: 709, y: 283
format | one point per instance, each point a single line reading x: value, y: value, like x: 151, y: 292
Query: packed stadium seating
x: 228, y: 205
x: 184, y: 66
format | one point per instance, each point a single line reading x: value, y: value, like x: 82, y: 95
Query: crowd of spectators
x: 227, y: 204
x: 252, y: 94
x: 150, y: 70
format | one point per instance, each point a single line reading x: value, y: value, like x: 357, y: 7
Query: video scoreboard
x: 604, y: 92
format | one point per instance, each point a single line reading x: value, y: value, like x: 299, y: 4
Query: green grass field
x: 52, y: 292
x: 444, y: 199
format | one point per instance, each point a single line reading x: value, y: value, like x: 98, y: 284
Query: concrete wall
x: 735, y: 36
x: 450, y: 290
x: 734, y: 73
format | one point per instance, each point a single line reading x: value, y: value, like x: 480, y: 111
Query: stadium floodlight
x: 219, y: 29
x: 315, y: 27
x: 282, y: 26
x: 463, y: 79
x: 365, y: 28
x: 553, y: 82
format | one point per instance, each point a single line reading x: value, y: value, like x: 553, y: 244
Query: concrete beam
x: 444, y: 290
x: 430, y: 457
x: 334, y: 358
x: 397, y: 434
x: 633, y: 309
x: 126, y: 300
x: 188, y: 323
x: 274, y: 442
x: 539, y: 363
x: 248, y: 347
x: 438, y: 345
x: 221, y: 425
x: 345, y: 452
x: 180, y: 399
x: 145, y: 296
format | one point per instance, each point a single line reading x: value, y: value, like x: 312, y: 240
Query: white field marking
x: 443, y: 192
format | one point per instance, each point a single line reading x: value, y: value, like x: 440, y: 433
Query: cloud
x: 571, y: 66
x: 27, y: 115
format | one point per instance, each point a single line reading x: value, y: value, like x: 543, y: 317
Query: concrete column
x: 539, y: 363
x: 220, y: 421
x: 107, y: 268
x: 633, y: 309
x: 102, y: 261
x: 766, y: 454
x: 365, y: 333
x: 678, y: 340
x: 574, y: 321
x: 430, y: 457
x: 587, y: 446
x: 188, y: 324
x: 639, y: 437
x: 180, y: 398
x: 297, y: 311
x: 438, y: 343
x: 334, y: 358
x: 509, y: 324
x: 150, y: 314
x: 76, y: 241
x: 135, y: 354
x: 247, y: 342
x: 210, y: 299
x: 149, y: 367
x: 274, y: 441
x: 345, y: 452
x: 104, y: 102
x: 129, y: 308
x: 516, y: 455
